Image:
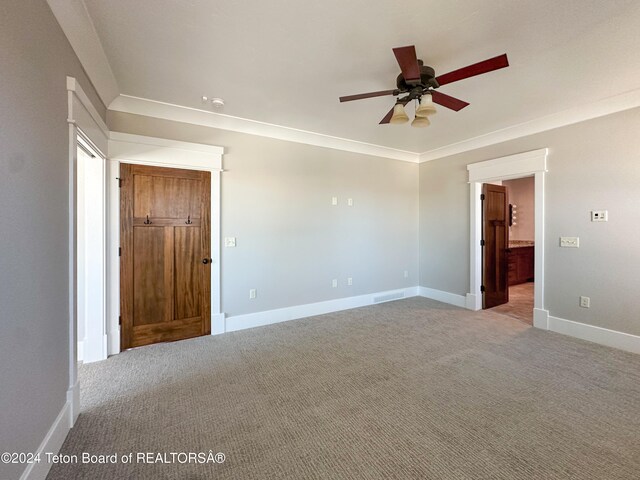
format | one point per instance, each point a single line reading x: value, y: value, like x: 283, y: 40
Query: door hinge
x: 482, y: 288
x: 482, y: 196
x: 119, y: 251
x: 482, y: 243
x: 119, y: 319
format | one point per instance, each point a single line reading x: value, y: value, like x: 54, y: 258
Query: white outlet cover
x: 350, y: 202
x: 585, y: 302
x: 229, y: 241
x: 334, y: 282
x: 252, y: 293
x: 334, y: 200
x: 570, y: 242
x: 349, y: 281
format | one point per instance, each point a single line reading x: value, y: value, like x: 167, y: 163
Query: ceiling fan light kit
x: 419, y: 82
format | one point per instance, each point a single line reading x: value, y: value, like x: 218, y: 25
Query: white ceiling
x: 286, y: 62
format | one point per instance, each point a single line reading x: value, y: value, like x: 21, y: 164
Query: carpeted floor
x: 412, y: 389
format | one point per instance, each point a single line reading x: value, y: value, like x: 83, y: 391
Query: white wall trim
x: 268, y: 317
x: 51, y: 443
x: 82, y: 115
x: 168, y: 111
x: 585, y: 111
x: 591, y: 333
x: 503, y: 168
x: 142, y: 150
x: 73, y: 17
x: 442, y: 296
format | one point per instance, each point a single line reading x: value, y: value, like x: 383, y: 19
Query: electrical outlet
x: 350, y: 202
x: 334, y: 282
x: 571, y: 242
x: 349, y: 281
x: 252, y: 293
x: 585, y: 302
x: 334, y: 200
x: 406, y: 274
x: 599, y: 216
x: 229, y: 241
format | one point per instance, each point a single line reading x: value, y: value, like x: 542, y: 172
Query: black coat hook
x: 147, y: 221
x: 188, y: 222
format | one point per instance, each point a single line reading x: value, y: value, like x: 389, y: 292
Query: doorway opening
x: 521, y: 165
x: 508, y: 247
x: 90, y: 241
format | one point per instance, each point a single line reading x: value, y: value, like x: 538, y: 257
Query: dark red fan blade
x: 447, y: 101
x: 408, y: 62
x: 479, y: 68
x: 389, y: 114
x: 359, y: 96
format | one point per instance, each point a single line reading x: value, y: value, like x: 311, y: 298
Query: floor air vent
x: 388, y: 297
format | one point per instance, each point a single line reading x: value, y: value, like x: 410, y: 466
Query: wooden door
x: 495, y: 231
x: 165, y: 276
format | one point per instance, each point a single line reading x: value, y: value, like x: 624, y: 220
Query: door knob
x: 205, y: 260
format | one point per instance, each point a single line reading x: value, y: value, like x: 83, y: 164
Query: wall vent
x: 388, y: 297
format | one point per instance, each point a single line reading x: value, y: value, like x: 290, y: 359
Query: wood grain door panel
x: 495, y: 272
x: 165, y: 235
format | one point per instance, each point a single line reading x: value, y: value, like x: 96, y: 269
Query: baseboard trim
x: 591, y: 333
x: 473, y: 302
x: 441, y: 296
x: 250, y: 320
x: 80, y: 350
x: 541, y: 318
x: 52, y: 443
x: 73, y: 399
x: 217, y: 323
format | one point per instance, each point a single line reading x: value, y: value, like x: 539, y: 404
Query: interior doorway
x: 90, y: 241
x: 527, y: 164
x: 165, y: 263
x: 509, y: 247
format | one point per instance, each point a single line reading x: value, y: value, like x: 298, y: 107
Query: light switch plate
x: 229, y: 241
x: 571, y: 242
x: 599, y: 215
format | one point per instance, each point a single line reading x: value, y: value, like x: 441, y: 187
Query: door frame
x: 83, y: 117
x: 159, y: 152
x: 533, y: 163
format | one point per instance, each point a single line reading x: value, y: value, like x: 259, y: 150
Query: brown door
x: 495, y: 233
x: 165, y: 277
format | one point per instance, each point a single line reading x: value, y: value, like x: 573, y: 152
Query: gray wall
x: 591, y: 165
x: 34, y: 336
x: 291, y: 242
x: 522, y: 195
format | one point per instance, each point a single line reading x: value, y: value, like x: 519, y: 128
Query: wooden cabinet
x: 521, y: 264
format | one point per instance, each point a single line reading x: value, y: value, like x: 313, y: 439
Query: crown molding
x: 168, y: 111
x: 599, y: 108
x: 73, y: 17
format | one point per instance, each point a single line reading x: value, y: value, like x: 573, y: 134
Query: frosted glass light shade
x: 420, y: 122
x: 426, y: 107
x: 399, y: 115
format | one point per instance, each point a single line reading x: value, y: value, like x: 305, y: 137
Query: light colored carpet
x: 412, y: 389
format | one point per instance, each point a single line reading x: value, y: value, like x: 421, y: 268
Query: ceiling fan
x: 419, y: 82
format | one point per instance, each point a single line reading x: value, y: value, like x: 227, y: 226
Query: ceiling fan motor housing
x: 427, y: 79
